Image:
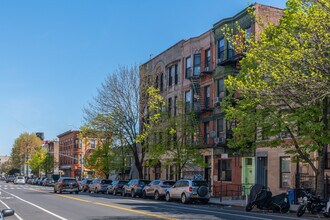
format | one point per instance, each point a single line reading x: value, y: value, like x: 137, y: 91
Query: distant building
x: 54, y: 150
x: 3, y: 161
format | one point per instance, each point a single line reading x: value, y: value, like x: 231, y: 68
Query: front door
x: 262, y: 171
x: 248, y: 174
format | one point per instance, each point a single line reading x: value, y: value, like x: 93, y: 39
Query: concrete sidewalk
x: 240, y: 203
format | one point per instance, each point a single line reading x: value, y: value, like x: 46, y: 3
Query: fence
x: 228, y: 190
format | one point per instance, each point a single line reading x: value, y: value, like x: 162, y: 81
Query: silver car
x: 157, y: 189
x: 189, y: 190
x: 19, y: 180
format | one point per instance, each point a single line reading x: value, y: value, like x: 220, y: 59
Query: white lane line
x: 17, y: 216
x: 30, y: 203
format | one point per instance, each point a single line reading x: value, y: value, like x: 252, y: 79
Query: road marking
x: 111, y: 206
x: 30, y: 203
x: 17, y: 216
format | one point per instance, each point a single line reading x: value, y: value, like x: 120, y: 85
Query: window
x: 208, y: 58
x: 81, y: 143
x: 76, y: 141
x: 156, y: 82
x: 169, y: 103
x: 176, y: 74
x: 207, y: 97
x: 206, y: 133
x: 225, y: 170
x: 172, y: 172
x: 158, y: 171
x: 285, y: 175
x: 230, y: 50
x: 92, y: 143
x: 219, y: 127
x: 187, y: 100
x: 175, y: 102
x: 170, y: 76
x: 248, y: 33
x: 221, y: 50
x: 75, y: 159
x: 188, y: 68
x: 221, y: 88
x: 161, y: 82
x: 197, y: 64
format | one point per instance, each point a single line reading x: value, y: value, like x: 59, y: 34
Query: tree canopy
x: 283, y: 86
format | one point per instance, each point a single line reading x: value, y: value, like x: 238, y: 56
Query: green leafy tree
x: 24, y: 146
x: 48, y: 164
x: 171, y: 140
x: 37, y: 160
x: 109, y: 155
x: 283, y: 87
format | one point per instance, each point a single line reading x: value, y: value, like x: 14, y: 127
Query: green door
x: 248, y: 174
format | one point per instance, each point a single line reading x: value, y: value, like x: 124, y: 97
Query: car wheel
x: 167, y: 197
x: 77, y: 192
x: 156, y: 196
x: 55, y: 191
x: 70, y: 192
x: 60, y: 191
x: 144, y: 194
x: 114, y: 192
x: 96, y: 190
x: 133, y: 193
x: 184, y: 198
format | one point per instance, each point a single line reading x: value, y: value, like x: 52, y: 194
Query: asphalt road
x: 40, y: 203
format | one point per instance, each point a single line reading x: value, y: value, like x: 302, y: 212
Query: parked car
x: 48, y: 182
x: 84, y: 184
x: 134, y: 187
x: 10, y: 178
x: 2, y: 178
x: 99, y: 185
x: 30, y: 181
x: 39, y: 182
x: 66, y: 184
x: 116, y: 187
x: 19, y: 180
x: 189, y: 190
x: 157, y: 189
x: 35, y: 181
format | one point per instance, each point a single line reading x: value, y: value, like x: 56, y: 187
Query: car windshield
x: 199, y: 183
x: 69, y: 180
x: 122, y: 182
x: 89, y: 181
x: 106, y: 182
x: 168, y: 183
x: 20, y: 177
x: 144, y: 182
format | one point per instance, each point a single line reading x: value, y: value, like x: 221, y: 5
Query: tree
x: 171, y: 139
x: 283, y: 87
x: 24, y: 146
x: 118, y: 97
x: 107, y: 157
x: 47, y: 164
x: 37, y: 160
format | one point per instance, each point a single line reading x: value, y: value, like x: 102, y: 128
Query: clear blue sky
x: 55, y: 54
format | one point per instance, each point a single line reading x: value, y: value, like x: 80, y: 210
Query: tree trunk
x: 320, y: 174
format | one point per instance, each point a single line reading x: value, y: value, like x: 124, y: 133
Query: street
x: 36, y: 202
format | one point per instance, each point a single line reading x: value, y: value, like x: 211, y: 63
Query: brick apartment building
x: 201, y: 64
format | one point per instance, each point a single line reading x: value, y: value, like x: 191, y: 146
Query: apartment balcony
x: 231, y: 59
x: 207, y: 70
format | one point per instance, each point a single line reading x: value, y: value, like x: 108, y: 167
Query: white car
x: 19, y: 180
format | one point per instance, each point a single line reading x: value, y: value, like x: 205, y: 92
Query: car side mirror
x: 7, y: 212
x: 173, y: 186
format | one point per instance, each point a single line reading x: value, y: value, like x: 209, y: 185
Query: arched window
x: 161, y: 82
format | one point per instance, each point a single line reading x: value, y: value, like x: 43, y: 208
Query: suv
x: 116, y: 187
x: 188, y: 190
x: 66, y: 184
x: 134, y: 187
x: 99, y: 185
x: 10, y: 178
x: 157, y: 189
x: 84, y: 184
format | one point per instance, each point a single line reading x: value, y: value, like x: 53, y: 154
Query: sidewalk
x: 240, y: 203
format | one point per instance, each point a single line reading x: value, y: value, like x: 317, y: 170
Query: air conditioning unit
x: 217, y: 100
x: 219, y: 140
x: 207, y: 68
